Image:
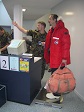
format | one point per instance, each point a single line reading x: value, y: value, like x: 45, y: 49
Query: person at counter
x: 38, y: 41
x: 4, y: 41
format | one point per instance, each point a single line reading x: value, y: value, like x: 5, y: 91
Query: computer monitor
x: 17, y: 47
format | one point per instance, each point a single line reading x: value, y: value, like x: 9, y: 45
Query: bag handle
x: 65, y: 63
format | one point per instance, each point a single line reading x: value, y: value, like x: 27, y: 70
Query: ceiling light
x: 69, y: 13
x: 23, y: 10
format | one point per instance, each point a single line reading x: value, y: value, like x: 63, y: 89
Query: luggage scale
x: 43, y: 100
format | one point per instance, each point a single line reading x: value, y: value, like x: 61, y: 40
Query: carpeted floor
x: 71, y: 103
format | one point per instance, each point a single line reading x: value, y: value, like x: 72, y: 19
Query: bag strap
x: 61, y: 64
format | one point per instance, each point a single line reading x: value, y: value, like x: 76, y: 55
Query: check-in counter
x: 22, y: 77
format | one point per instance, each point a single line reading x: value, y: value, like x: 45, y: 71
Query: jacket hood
x: 60, y: 24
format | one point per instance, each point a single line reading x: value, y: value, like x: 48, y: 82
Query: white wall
x: 28, y: 24
x: 5, y: 20
x: 75, y: 24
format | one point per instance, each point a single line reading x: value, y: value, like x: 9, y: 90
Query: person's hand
x: 14, y: 23
x: 43, y: 43
x: 64, y: 61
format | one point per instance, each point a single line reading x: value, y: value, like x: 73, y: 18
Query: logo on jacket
x: 56, y: 40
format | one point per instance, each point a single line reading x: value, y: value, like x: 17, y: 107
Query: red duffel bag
x: 61, y: 81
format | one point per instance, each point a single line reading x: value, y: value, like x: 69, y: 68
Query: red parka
x: 57, y: 45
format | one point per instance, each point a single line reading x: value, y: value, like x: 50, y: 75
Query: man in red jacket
x: 57, y: 45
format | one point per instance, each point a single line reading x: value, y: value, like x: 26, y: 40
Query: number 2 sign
x: 4, y: 62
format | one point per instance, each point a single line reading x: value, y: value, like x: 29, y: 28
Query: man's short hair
x: 42, y: 23
x: 1, y: 28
